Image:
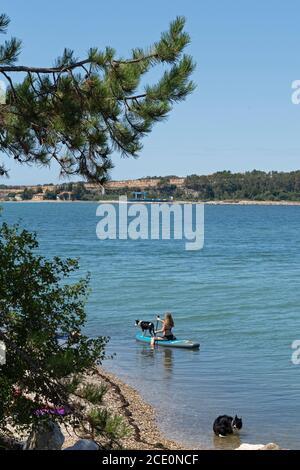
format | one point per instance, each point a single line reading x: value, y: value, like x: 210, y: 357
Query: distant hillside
x: 254, y: 185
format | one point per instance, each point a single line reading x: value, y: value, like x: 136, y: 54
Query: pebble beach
x: 140, y: 417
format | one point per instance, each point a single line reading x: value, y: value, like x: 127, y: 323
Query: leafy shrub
x: 104, y: 422
x: 94, y: 393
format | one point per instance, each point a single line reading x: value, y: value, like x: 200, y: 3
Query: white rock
x: 270, y: 446
x: 83, y: 444
x: 250, y: 447
x: 46, y: 436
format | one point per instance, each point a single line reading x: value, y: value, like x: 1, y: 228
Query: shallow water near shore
x: 239, y: 297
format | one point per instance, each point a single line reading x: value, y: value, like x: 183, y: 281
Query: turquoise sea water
x: 239, y: 297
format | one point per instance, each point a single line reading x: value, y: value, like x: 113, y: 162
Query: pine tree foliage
x: 80, y: 112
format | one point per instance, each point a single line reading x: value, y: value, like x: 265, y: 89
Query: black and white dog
x: 225, y: 425
x: 146, y: 326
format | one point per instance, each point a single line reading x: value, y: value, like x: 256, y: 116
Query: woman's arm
x: 163, y: 330
x: 163, y: 326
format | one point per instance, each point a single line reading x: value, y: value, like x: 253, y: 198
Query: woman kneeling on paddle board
x: 167, y: 325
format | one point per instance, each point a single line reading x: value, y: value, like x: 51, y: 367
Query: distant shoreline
x: 255, y: 203
x: 213, y: 203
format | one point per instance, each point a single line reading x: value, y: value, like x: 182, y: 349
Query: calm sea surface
x: 239, y: 296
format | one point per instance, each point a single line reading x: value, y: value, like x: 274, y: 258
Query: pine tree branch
x: 23, y: 68
x: 135, y: 97
x: 10, y: 82
x: 66, y: 68
x: 84, y: 110
x: 136, y: 61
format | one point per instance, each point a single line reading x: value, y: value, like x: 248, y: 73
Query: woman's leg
x: 156, y: 338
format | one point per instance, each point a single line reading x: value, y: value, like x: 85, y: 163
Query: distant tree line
x: 252, y: 185
x: 73, y: 191
x: 223, y: 185
x: 65, y: 191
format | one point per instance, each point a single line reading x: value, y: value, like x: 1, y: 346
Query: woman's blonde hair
x: 169, y: 320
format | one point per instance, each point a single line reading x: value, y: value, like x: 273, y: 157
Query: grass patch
x: 73, y: 383
x: 94, y: 393
x: 104, y: 422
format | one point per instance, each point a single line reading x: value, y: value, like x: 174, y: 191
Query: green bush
x: 38, y: 301
x: 93, y: 393
x: 104, y: 422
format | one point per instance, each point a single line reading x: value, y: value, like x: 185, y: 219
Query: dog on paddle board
x: 145, y: 326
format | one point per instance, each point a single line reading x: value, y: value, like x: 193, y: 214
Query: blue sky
x: 247, y: 52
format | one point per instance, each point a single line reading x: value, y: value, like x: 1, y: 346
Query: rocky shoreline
x: 140, y: 417
x: 120, y: 400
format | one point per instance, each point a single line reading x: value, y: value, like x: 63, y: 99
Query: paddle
x: 156, y: 328
x: 157, y: 318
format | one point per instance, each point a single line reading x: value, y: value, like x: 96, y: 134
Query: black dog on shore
x: 225, y: 425
x: 146, y: 326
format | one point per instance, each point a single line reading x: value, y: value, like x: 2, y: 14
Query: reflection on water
x: 155, y: 358
x: 168, y: 361
x: 227, y: 443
